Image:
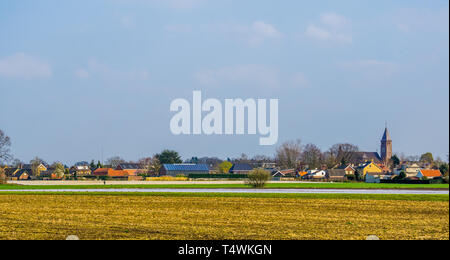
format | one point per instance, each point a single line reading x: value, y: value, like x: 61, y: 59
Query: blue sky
x: 79, y: 77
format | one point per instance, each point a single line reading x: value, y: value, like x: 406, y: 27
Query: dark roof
x: 9, y: 171
x: 187, y: 167
x: 21, y: 172
x: 26, y: 166
x: 343, y: 167
x: 130, y: 166
x: 361, y: 157
x: 241, y: 167
x: 47, y: 173
x: 336, y: 173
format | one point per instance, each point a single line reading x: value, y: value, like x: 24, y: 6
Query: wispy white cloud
x: 370, y: 67
x: 254, y: 75
x: 332, y: 28
x: 253, y: 34
x: 334, y: 21
x: 21, y: 65
x: 178, y: 28
x: 183, y: 4
x: 412, y: 20
x: 175, y: 4
x: 95, y: 68
x: 299, y: 80
x: 82, y: 73
x: 128, y: 21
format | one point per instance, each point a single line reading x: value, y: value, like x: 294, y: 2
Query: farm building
x: 314, y: 174
x: 183, y: 169
x: 241, y: 168
x: 131, y: 168
x: 336, y: 174
x: 430, y: 174
x: 376, y: 177
x: 111, y: 173
x: 284, y: 173
x: 21, y: 174
x: 80, y: 170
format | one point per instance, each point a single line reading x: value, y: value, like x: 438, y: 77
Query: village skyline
x: 386, y: 150
x: 102, y: 82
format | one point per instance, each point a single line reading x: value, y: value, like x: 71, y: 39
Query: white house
x: 411, y: 170
x: 317, y: 174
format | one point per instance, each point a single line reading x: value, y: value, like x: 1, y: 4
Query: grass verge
x: 233, y: 186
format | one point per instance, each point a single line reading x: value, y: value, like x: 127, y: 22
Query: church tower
x: 386, y: 146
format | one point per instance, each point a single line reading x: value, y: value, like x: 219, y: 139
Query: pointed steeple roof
x: 386, y: 136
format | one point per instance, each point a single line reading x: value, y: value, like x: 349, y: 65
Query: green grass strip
x: 232, y: 186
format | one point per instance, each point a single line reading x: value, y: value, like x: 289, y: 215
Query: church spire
x: 386, y: 136
x: 386, y: 146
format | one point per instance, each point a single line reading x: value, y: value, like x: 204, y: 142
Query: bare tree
x: 5, y: 144
x: 150, y: 166
x: 242, y: 159
x: 115, y: 161
x: 289, y: 154
x: 16, y: 163
x: 343, y: 153
x: 35, y: 163
x: 312, y: 156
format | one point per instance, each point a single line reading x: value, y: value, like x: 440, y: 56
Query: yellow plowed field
x: 140, y: 217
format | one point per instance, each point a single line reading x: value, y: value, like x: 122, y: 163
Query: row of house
x: 45, y: 172
x: 373, y: 173
x: 368, y: 171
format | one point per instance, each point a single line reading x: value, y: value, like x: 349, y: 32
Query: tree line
x: 289, y: 155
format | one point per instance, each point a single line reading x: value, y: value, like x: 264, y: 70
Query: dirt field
x: 129, y: 217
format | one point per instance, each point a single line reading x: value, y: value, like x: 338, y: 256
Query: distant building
x: 430, y: 174
x: 317, y: 174
x: 386, y: 147
x: 183, y: 169
x: 111, y: 173
x: 49, y: 174
x: 349, y: 170
x: 20, y: 175
x: 131, y: 168
x: 241, y: 168
x: 369, y: 167
x: 363, y: 157
x: 411, y: 170
x: 303, y: 174
x: 376, y: 177
x: 285, y: 173
x: 41, y: 167
x: 386, y: 152
x: 80, y: 170
x: 10, y: 172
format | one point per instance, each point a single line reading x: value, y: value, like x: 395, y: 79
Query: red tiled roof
x: 110, y: 172
x: 431, y: 173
